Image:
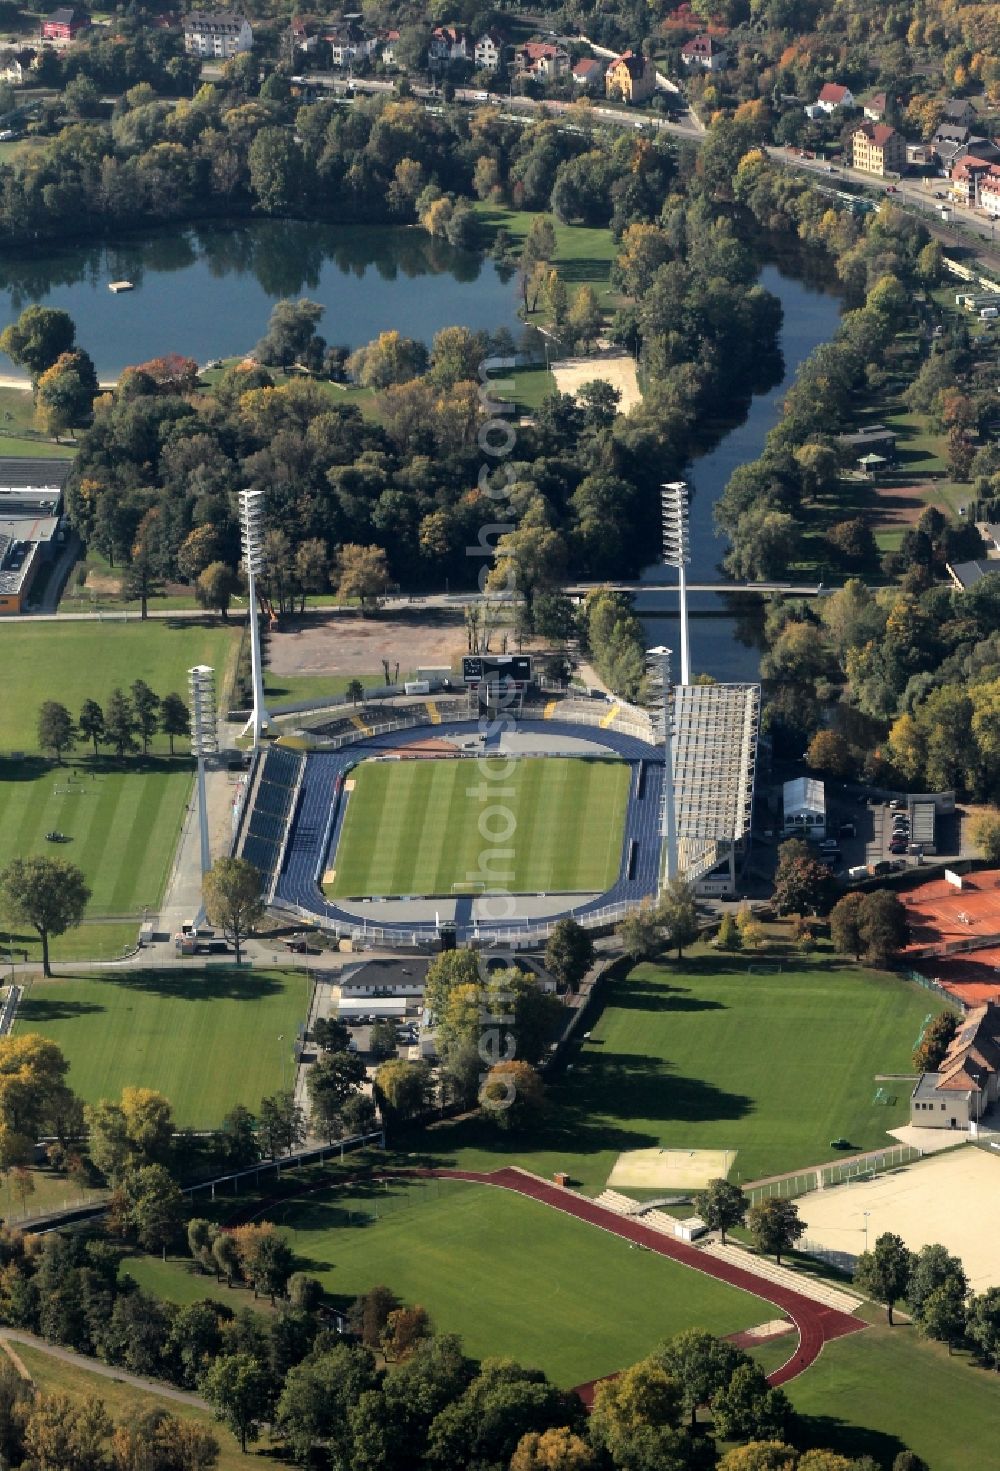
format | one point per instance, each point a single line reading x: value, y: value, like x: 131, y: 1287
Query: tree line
x: 127, y: 722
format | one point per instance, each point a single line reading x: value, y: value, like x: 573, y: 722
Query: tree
x: 50, y: 894
x: 829, y: 751
x: 304, y: 1293
x: 317, y: 1399
x: 238, y: 1388
x: 569, y: 953
x: 747, y: 1408
x: 291, y: 334
x: 280, y: 1124
x: 645, y: 1395
x: 382, y: 1039
x: 175, y: 718
x: 944, y: 1315
x: 355, y: 691
x: 552, y: 1450
x: 678, y: 915
x: 331, y: 1034
x: 91, y: 723
x: 144, y: 573
x: 200, y: 1235
x: 38, y: 337
x: 148, y: 1204
x: 277, y: 171
x: 984, y: 1325
x: 700, y: 1365
x: 331, y: 1081
x: 239, y: 1137
x: 583, y: 319
x: 774, y: 1226
x: 389, y: 359
x: 34, y: 1097
x: 55, y: 729
x: 447, y: 971
x: 802, y: 885
x: 120, y: 724
x: 934, y: 1044
x: 215, y: 586
x: 146, y: 705
x: 641, y: 933
x: 265, y: 1258
x: 985, y: 832
x: 721, y: 1206
x: 882, y: 926
x: 760, y: 1455
x: 362, y: 573
x: 404, y: 1329
x: 728, y: 937
x: 884, y: 1274
x: 65, y: 393
x: 225, y: 1256
x: 845, y: 920
x: 233, y: 899
x: 513, y: 1096
x: 403, y: 1087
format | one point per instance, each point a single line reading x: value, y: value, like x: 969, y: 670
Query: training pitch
x: 206, y: 1039
x: 436, y: 827
x: 510, y: 1275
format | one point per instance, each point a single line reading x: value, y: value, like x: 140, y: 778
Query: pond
x: 206, y: 291
x: 725, y: 631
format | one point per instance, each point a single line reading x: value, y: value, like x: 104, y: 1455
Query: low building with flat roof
x: 31, y: 527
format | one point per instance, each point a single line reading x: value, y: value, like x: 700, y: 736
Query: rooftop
x: 804, y: 791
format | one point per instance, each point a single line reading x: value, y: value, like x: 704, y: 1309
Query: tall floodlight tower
x: 677, y: 553
x: 661, y: 695
x: 252, y: 523
x: 204, y: 742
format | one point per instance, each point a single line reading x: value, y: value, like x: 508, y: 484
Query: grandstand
x: 714, y: 757
x: 269, y: 806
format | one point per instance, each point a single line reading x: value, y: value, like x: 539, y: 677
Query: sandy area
x: 347, y: 644
x: 669, y: 1169
x: 618, y: 370
x: 951, y: 1199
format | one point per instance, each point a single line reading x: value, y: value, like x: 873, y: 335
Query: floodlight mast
x: 251, y: 524
x: 677, y: 553
x: 660, y: 688
x: 204, y: 743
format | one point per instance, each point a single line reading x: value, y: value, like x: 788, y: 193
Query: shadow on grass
x: 217, y: 984
x: 37, y: 1011
x: 827, y: 1432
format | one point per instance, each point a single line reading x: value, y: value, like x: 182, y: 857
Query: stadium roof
x: 714, y: 754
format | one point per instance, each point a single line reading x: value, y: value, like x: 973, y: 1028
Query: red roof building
x: 65, y: 24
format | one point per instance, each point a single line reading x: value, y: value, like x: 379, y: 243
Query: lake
x: 725, y: 631
x: 206, y: 291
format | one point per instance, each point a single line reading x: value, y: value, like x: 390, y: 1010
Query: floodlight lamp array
x: 204, y: 713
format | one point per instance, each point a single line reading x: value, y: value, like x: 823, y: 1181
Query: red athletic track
x: 816, y: 1323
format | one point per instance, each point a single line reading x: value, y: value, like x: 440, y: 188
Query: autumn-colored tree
x: 362, y: 573
x: 513, y: 1095
x: 552, y: 1450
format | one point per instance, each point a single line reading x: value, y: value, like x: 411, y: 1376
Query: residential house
x: 873, y: 439
x: 12, y: 68
x: 959, y: 112
x: 630, y: 77
x: 970, y: 170
x: 302, y: 39
x: 878, y: 149
x: 948, y: 142
x: 706, y: 52
x: 64, y: 25
x: 967, y: 1083
x: 989, y: 192
x: 490, y: 50
x: 874, y: 107
x: 448, y: 43
x: 804, y: 808
x: 388, y: 43
x: 348, y: 43
x: 218, y: 34
x: 832, y: 97
x: 588, y: 72
x: 542, y: 60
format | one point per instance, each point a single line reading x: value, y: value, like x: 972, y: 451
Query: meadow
x: 413, y: 827
x: 703, y: 1054
x: 208, y: 1040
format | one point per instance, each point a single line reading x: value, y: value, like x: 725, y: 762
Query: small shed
x: 805, y: 808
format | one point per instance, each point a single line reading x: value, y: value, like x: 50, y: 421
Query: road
x: 106, y: 1371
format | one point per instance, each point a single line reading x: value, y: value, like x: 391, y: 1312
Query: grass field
x: 206, y: 1039
x: 413, y: 827
x: 123, y: 1401
x: 687, y: 1056
x: 509, y: 1274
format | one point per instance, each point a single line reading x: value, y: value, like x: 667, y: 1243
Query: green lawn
x: 286, y: 689
x: 529, y: 386
x: 124, y: 1402
x: 878, y: 1391
x: 72, y: 662
x: 510, y: 1275
x: 207, y: 1039
x: 705, y: 1055
x: 584, y: 253
x: 413, y: 827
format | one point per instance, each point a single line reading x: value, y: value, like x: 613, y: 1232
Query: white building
x: 217, y: 33
x: 805, y: 808
x: 489, y: 51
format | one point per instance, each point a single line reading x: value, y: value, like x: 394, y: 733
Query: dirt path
x: 816, y: 1323
x: 95, y: 1366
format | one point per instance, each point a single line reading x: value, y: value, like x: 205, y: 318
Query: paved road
x: 106, y: 1371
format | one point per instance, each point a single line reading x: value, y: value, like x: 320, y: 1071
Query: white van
x: 988, y: 312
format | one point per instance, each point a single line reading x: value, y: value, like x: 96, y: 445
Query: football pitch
x: 510, y: 1275
x: 552, y: 825
x: 206, y: 1039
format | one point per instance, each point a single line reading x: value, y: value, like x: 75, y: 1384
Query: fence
x: 935, y: 986
x: 823, y: 1177
x: 230, y: 1184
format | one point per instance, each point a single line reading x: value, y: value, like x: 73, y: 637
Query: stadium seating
x: 270, y: 810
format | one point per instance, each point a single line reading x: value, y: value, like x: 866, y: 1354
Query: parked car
x: 847, y: 830
x: 897, y: 805
x: 898, y: 845
x: 828, y: 845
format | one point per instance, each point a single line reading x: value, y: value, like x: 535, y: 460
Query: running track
x: 816, y: 1323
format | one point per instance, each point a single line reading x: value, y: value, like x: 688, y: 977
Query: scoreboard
x: 497, y: 669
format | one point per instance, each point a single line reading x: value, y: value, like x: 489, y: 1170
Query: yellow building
x: 878, y: 149
x: 630, y: 78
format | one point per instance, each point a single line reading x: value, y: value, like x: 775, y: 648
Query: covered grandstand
x: 714, y: 759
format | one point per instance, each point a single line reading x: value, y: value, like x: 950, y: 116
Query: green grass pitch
x: 703, y: 1055
x: 511, y: 1275
x: 206, y: 1039
x: 122, y: 821
x: 416, y: 826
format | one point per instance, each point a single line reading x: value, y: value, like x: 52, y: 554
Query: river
x: 725, y: 633
x: 206, y: 291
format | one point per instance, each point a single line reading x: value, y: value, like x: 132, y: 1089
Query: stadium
x: 416, y: 819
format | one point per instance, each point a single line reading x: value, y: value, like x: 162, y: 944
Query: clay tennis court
x: 941, y: 914
x: 572, y: 373
x: 950, y: 1198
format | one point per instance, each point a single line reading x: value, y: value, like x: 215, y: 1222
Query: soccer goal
x: 469, y: 886
x: 770, y: 969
